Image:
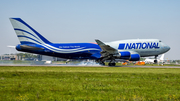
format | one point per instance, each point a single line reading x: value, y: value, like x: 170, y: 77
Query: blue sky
x: 86, y: 20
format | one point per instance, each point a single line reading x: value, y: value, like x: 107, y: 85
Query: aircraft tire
x: 112, y: 64
x: 102, y: 63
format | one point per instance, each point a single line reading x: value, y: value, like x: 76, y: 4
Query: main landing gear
x: 112, y: 64
x: 101, y: 62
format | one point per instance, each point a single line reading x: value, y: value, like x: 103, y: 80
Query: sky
x: 87, y: 20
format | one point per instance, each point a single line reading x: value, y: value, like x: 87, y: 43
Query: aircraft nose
x: 168, y: 48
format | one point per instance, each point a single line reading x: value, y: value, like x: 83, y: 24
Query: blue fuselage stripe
x: 88, y: 50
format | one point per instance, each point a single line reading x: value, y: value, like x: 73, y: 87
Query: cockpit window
x: 159, y: 40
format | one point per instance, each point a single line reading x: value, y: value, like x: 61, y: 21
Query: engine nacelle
x: 123, y: 55
x: 135, y: 57
x: 127, y: 56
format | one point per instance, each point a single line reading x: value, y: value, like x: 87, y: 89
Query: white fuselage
x: 144, y: 47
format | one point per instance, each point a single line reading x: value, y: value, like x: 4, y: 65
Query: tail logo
x: 26, y: 34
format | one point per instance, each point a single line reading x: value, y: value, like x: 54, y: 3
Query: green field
x: 89, y: 83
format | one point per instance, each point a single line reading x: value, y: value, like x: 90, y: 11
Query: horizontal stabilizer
x: 11, y: 46
x: 25, y: 47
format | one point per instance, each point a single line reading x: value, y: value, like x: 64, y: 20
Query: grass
x: 73, y: 62
x: 89, y: 83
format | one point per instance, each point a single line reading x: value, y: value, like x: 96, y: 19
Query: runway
x: 73, y: 65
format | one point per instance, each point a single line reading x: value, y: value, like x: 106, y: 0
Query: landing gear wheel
x: 102, y: 63
x: 112, y: 64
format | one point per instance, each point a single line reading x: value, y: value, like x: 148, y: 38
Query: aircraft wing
x: 106, y: 49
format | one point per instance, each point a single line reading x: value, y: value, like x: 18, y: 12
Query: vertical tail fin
x: 26, y: 34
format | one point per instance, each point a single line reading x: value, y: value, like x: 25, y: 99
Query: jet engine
x: 123, y: 55
x: 127, y: 56
x: 135, y: 57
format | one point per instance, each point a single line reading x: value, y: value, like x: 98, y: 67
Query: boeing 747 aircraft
x: 33, y: 42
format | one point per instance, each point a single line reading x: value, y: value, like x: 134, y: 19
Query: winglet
x: 100, y: 43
